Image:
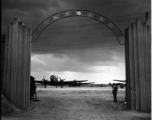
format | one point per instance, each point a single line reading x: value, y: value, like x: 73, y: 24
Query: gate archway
x: 137, y: 37
x: 82, y: 13
x: 138, y: 60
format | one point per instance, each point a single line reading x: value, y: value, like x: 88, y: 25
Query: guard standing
x: 32, y: 88
x: 114, y: 91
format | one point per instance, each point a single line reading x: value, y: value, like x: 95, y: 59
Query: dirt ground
x: 77, y: 104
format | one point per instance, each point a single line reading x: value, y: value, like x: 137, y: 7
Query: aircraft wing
x: 122, y: 85
x: 46, y: 82
x: 38, y: 81
x: 87, y: 83
x: 41, y: 81
x: 81, y: 80
x: 73, y: 81
x: 120, y: 80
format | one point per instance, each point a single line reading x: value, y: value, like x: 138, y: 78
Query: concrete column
x: 148, y: 81
x: 131, y: 68
x: 14, y: 61
x: 141, y: 64
x: 2, y: 59
x: 19, y: 65
x: 28, y: 68
x: 6, y: 62
x: 24, y: 68
x: 128, y: 92
x: 145, y: 61
x: 29, y: 63
x: 9, y: 60
x: 138, y: 64
x: 136, y: 67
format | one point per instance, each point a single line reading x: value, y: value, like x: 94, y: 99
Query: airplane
x: 77, y: 83
x: 54, y: 81
x: 122, y: 85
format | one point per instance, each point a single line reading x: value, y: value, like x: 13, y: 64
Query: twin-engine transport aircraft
x: 122, y: 85
x: 54, y: 81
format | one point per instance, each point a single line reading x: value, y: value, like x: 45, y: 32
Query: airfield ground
x: 77, y: 104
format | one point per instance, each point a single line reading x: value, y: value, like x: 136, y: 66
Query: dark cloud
x: 72, y: 34
x: 29, y: 5
x: 113, y: 7
x: 29, y: 11
x: 79, y: 61
x: 53, y: 63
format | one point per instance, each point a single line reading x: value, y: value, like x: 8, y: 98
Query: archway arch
x: 82, y: 13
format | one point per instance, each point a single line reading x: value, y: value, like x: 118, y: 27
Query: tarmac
x: 84, y: 103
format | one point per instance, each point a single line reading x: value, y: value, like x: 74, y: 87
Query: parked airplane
x: 76, y: 83
x: 122, y: 85
x: 54, y: 81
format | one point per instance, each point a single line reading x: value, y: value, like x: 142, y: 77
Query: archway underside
x: 82, y: 13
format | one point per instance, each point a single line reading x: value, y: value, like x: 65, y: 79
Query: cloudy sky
x: 76, y: 47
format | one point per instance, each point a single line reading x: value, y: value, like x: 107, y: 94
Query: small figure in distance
x: 61, y: 82
x: 35, y: 96
x: 114, y: 91
x: 44, y: 82
x: 33, y: 87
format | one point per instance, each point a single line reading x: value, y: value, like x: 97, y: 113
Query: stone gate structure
x: 17, y: 59
x: 138, y: 65
x: 16, y: 79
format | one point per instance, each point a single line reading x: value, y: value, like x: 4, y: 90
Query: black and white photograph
x: 76, y: 60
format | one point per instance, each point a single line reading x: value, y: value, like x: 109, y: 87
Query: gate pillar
x: 138, y: 65
x: 17, y: 58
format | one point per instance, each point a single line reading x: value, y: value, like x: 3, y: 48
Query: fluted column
x: 138, y: 72
x: 17, y: 64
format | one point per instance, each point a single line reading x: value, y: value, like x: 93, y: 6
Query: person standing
x: 114, y: 91
x: 44, y: 82
x: 33, y: 87
x: 35, y: 96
